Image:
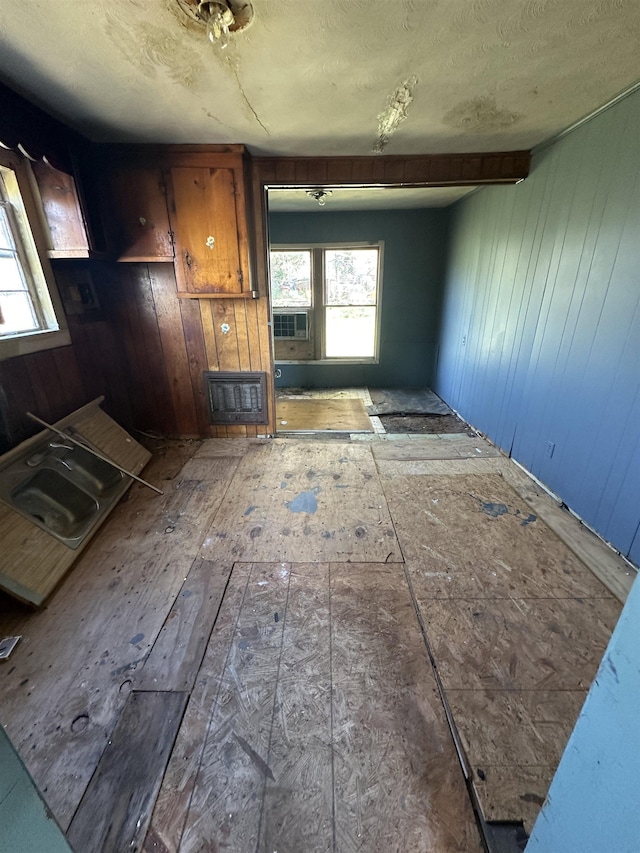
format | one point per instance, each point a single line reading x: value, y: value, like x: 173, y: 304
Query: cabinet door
x: 139, y: 197
x: 208, y: 219
x: 63, y: 213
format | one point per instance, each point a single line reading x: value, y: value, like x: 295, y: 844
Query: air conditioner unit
x: 291, y: 325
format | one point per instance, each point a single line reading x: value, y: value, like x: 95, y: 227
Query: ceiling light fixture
x: 218, y: 17
x: 221, y: 18
x: 320, y: 195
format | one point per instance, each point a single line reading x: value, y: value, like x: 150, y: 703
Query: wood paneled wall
x: 146, y: 353
x: 191, y: 340
x: 54, y: 382
x: 540, y: 339
x: 146, y: 350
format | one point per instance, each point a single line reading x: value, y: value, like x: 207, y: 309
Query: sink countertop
x: 32, y: 562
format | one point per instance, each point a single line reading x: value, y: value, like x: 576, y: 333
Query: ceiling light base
x: 242, y: 11
x: 319, y: 195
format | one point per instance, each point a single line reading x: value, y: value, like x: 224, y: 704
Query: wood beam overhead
x: 436, y: 170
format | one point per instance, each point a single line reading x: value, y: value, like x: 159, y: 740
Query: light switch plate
x: 7, y: 645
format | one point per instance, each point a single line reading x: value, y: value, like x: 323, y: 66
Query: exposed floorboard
x: 268, y: 590
x: 115, y: 810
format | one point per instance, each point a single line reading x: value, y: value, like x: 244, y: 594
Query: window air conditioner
x: 291, y: 325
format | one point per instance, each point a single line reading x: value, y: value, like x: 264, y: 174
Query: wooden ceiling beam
x: 437, y: 170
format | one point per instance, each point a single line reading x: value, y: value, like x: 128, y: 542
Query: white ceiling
x: 310, y: 77
x: 367, y: 198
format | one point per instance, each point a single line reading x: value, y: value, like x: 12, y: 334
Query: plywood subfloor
x: 516, y: 623
x: 317, y: 415
x: 327, y: 732
x: 304, y: 501
x: 280, y: 588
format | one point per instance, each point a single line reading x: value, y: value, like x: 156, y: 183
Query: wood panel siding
x: 540, y: 339
x: 432, y: 169
x: 146, y: 351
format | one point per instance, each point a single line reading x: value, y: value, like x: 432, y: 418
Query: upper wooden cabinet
x: 70, y: 236
x: 185, y: 204
x: 139, y: 215
x: 209, y: 219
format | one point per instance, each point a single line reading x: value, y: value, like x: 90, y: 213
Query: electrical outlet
x: 550, y: 446
x: 464, y: 340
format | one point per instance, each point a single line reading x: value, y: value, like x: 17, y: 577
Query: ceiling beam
x: 438, y: 170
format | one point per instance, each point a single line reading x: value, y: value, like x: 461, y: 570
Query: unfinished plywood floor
x: 240, y: 664
x: 316, y: 415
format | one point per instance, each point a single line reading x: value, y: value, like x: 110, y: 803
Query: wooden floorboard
x: 513, y: 792
x: 519, y: 644
x: 608, y: 566
x: 172, y: 804
x: 317, y: 739
x: 432, y: 447
x: 64, y: 690
x: 227, y: 801
x: 115, y: 810
x: 177, y: 653
x: 304, y: 501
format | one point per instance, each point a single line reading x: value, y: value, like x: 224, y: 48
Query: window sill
x: 11, y: 347
x: 328, y: 361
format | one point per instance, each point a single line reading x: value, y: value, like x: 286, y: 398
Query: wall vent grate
x: 236, y: 398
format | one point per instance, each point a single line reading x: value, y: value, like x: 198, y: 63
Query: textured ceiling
x: 367, y: 198
x: 310, y: 77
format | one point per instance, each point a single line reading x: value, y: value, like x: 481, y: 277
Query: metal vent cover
x: 236, y: 398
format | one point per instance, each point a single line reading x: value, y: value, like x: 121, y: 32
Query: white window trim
x: 299, y: 247
x: 35, y: 246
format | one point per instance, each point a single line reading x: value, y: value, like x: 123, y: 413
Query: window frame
x: 31, y: 245
x: 318, y: 298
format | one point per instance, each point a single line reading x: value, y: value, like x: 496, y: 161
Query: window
x: 29, y: 305
x: 337, y: 288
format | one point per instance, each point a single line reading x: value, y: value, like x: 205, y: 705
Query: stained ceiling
x: 311, y: 77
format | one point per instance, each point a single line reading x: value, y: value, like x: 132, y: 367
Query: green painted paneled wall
x: 26, y: 824
x: 414, y: 254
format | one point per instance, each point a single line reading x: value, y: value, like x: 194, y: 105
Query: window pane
x: 6, y: 238
x: 10, y: 275
x: 16, y: 313
x: 290, y: 279
x: 350, y: 276
x: 350, y: 332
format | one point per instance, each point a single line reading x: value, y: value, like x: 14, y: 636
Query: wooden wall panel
x: 540, y: 339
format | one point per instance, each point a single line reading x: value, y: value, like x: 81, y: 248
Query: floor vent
x: 236, y: 398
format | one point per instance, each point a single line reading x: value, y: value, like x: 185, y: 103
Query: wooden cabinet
x: 210, y: 232
x: 69, y: 233
x: 188, y: 205
x: 208, y: 216
x: 141, y: 230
